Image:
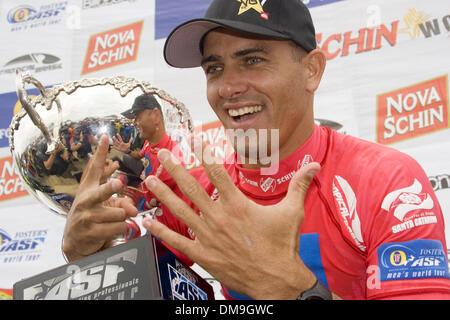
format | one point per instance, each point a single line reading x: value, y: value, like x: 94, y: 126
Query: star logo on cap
x: 253, y: 4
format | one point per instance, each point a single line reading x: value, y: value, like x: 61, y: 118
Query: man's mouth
x: 243, y: 113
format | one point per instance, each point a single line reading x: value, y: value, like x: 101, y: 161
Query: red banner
x: 412, y: 111
x: 6, y: 294
x: 11, y: 186
x: 112, y: 47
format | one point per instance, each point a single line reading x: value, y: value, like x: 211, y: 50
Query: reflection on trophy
x: 52, y: 139
x: 79, y: 112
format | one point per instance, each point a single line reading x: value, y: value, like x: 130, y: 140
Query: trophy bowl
x: 85, y: 110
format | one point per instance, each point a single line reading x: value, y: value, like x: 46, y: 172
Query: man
x: 81, y: 142
x: 341, y: 218
x: 149, y: 120
x: 57, y: 161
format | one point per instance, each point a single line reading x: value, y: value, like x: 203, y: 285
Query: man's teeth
x: 245, y: 110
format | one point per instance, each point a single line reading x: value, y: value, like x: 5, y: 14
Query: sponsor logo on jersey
x: 247, y: 180
x: 267, y: 184
x: 345, y: 201
x: 270, y: 183
x: 408, y: 200
x: 182, y: 288
x: 416, y: 259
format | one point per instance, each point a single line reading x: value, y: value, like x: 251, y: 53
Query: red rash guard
x: 373, y: 227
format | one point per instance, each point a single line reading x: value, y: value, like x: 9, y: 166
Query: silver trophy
x: 85, y: 110
x: 142, y: 268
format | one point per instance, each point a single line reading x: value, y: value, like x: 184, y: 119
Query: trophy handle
x: 52, y: 142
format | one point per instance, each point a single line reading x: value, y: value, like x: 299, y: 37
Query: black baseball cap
x: 278, y: 19
x: 142, y: 102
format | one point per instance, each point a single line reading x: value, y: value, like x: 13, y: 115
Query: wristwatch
x: 317, y: 292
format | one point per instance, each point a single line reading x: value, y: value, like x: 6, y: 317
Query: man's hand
x: 252, y: 249
x: 120, y: 145
x: 95, y: 217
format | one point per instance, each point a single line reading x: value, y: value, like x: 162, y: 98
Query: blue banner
x: 170, y: 14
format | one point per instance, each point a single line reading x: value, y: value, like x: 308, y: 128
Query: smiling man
x: 264, y: 235
x: 325, y: 224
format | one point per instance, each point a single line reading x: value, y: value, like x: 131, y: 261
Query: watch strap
x: 317, y: 292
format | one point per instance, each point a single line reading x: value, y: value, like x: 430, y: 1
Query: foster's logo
x: 4, y: 237
x: 416, y: 259
x: 20, y: 14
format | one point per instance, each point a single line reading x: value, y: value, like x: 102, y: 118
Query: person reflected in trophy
x: 81, y: 141
x: 139, y: 164
x: 57, y: 161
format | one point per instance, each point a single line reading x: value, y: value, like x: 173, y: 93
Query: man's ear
x: 315, y: 62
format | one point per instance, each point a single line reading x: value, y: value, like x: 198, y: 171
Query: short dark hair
x: 297, y: 52
x: 146, y: 101
x: 143, y: 102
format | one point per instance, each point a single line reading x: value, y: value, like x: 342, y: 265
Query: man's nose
x: 233, y: 84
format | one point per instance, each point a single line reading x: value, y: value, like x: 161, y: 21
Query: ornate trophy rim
x: 48, y: 96
x: 181, y: 124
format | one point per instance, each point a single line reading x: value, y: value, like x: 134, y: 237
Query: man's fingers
x: 109, y: 168
x: 103, y: 192
x: 187, y: 183
x: 299, y: 185
x: 172, y: 238
x: 124, y: 203
x: 112, y: 229
x: 94, y: 170
x: 177, y: 206
x: 215, y: 170
x: 118, y: 137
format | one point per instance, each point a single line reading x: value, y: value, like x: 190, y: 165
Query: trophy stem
x: 34, y: 116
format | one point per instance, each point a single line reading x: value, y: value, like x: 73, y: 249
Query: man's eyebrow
x: 211, y: 58
x: 237, y: 54
x: 244, y: 52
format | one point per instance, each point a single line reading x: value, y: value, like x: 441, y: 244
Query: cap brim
x: 129, y: 114
x: 182, y: 47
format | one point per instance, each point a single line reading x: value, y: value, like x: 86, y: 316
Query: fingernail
x: 146, y: 222
x: 116, y: 185
x: 312, y: 172
x: 150, y: 182
x: 163, y: 155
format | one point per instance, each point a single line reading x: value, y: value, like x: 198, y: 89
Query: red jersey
x: 373, y: 226
x: 149, y: 153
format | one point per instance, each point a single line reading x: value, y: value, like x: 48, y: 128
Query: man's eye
x: 213, y: 69
x: 253, y: 60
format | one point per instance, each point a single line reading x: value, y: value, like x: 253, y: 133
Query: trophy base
x: 140, y: 269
